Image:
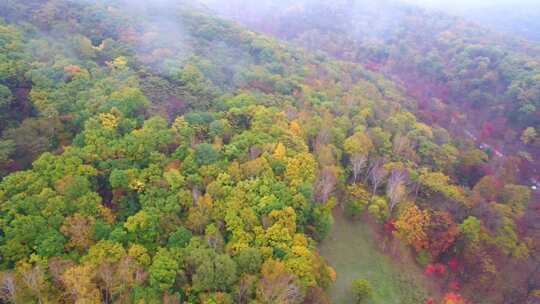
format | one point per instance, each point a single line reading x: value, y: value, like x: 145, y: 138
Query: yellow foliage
x: 278, y: 237
x: 301, y: 169
x: 140, y: 254
x: 109, y: 121
x: 285, y: 218
x: 300, y: 240
x: 79, y: 284
x: 234, y: 171
x: 137, y: 186
x: 295, y: 128
x: 411, y: 227
x: 332, y: 273
x: 280, y: 152
x: 106, y: 214
x: 272, y: 269
x: 255, y: 167
x: 120, y: 62
x: 301, y: 264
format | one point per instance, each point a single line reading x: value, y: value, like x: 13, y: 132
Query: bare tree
x: 358, y: 162
x: 8, y: 288
x: 279, y: 289
x: 34, y: 279
x: 323, y: 137
x: 377, y: 173
x: 326, y: 183
x: 400, y: 142
x: 395, y: 188
x: 106, y: 273
x: 195, y: 194
x: 254, y: 152
x: 244, y: 286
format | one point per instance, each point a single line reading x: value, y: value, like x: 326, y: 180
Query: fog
x: 468, y: 4
x: 515, y: 17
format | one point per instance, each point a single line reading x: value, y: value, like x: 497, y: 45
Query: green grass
x: 351, y: 250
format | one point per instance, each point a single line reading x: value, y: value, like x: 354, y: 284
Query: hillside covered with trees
x: 464, y: 77
x: 159, y: 153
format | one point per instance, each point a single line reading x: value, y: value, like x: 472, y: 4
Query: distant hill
x: 521, y: 18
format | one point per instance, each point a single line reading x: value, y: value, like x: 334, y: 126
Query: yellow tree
x: 412, y: 225
x: 280, y: 152
x: 79, y: 285
x: 301, y: 169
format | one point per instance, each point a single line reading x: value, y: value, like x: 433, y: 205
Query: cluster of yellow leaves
x: 78, y: 281
x: 295, y: 129
x: 140, y: 254
x: 411, y: 227
x: 301, y: 265
x: 280, y: 152
x: 106, y: 214
x: 119, y: 62
x: 439, y: 182
x: 137, y: 185
x: 109, y: 121
x: 301, y: 169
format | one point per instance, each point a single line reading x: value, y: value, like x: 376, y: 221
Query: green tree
x: 163, y: 270
x: 216, y: 273
x: 205, y: 154
x: 362, y: 290
x: 249, y: 261
x: 471, y: 228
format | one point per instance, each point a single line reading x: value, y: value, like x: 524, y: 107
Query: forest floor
x: 353, y: 249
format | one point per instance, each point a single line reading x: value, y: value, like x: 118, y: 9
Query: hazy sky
x: 464, y: 4
x: 515, y: 17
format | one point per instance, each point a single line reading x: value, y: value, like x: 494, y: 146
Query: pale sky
x: 471, y: 3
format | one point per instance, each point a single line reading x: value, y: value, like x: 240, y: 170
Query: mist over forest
x: 519, y: 17
x: 265, y: 152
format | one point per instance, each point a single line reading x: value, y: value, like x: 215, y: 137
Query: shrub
x: 362, y: 290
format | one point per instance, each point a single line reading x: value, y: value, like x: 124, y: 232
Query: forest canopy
x: 160, y: 153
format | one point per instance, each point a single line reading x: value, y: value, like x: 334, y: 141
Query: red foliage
x: 430, y: 269
x: 442, y: 233
x: 430, y: 301
x: 441, y: 269
x: 487, y: 131
x: 390, y: 227
x: 454, y: 286
x: 453, y: 298
x: 438, y: 268
x: 453, y: 264
x: 494, y: 129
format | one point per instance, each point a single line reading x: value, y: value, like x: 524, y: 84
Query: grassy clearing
x: 351, y: 250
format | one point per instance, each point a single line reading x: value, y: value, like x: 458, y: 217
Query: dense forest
x: 163, y: 153
x: 450, y: 66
